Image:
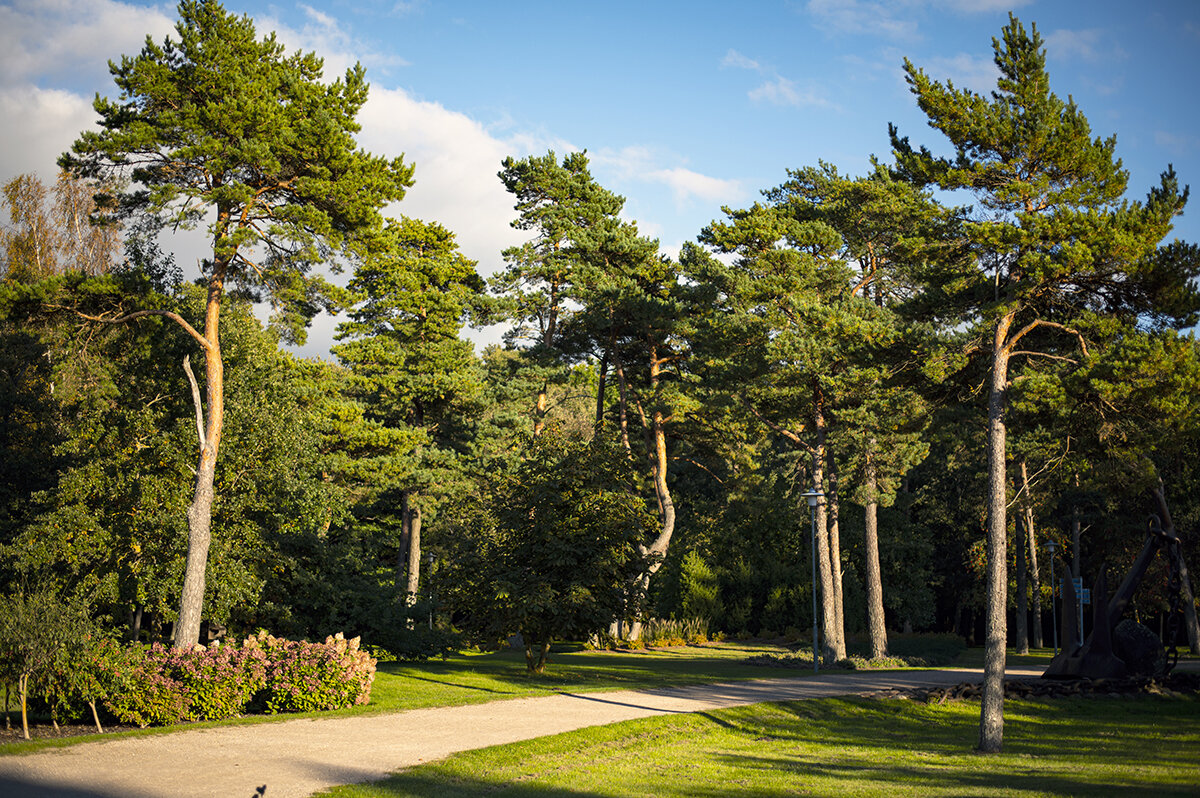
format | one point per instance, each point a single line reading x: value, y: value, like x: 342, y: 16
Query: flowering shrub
x: 306, y: 677
x: 151, y: 696
x: 163, y: 685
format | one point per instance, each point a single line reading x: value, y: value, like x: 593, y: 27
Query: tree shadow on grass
x: 458, y: 684
x: 890, y: 778
x: 421, y: 784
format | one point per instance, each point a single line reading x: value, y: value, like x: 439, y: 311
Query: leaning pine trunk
x: 875, y: 619
x: 199, y: 512
x: 991, y: 715
x: 655, y: 428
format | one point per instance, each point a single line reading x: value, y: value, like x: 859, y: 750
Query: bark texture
x: 1035, y: 582
x: 199, y: 512
x: 991, y: 718
x: 835, y: 562
x: 875, y: 618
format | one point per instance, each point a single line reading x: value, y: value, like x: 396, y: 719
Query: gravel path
x: 296, y: 758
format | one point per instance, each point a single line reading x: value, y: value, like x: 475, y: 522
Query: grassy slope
x: 1103, y: 747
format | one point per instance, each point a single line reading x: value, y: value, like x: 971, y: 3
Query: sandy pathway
x: 299, y: 757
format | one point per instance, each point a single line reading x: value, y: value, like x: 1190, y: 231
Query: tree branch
x: 791, y: 436
x: 187, y: 367
x: 1027, y: 353
x: 180, y: 320
x: 1033, y: 325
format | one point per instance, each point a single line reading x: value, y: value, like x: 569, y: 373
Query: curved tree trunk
x: 875, y: 619
x: 199, y: 512
x: 991, y: 715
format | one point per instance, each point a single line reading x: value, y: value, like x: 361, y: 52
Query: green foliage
x: 561, y: 549
x: 690, y: 631
x: 111, y: 461
x: 41, y: 633
x: 216, y: 119
x: 698, y: 589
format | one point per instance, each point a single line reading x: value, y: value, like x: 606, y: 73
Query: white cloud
x: 976, y: 73
x: 782, y: 91
x: 324, y: 35
x: 456, y: 161
x: 38, y: 126
x: 685, y: 184
x: 777, y: 89
x: 1177, y: 145
x: 1088, y: 45
x: 639, y: 164
x: 894, y: 19
x: 858, y: 17
x: 72, y: 37
x: 981, y: 6
x: 738, y: 61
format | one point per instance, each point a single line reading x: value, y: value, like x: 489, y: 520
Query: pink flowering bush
x: 163, y: 686
x: 306, y: 677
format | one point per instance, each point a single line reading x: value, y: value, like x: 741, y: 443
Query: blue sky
x: 682, y: 106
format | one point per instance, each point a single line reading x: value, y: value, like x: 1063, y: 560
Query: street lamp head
x: 813, y: 496
x: 1050, y: 545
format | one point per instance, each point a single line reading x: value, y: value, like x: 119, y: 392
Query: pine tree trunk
x: 654, y: 425
x: 405, y: 540
x: 835, y: 561
x: 600, y: 386
x: 135, y: 623
x: 1035, y: 585
x: 875, y: 617
x: 828, y: 611
x: 991, y: 716
x: 199, y: 512
x: 23, y: 694
x: 413, y: 585
x: 1022, y: 615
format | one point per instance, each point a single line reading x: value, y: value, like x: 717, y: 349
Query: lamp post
x: 429, y: 588
x: 814, y: 496
x: 1053, y: 609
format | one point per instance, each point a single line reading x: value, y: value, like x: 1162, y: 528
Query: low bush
x: 904, y: 651
x: 163, y: 686
x: 671, y: 632
x: 308, y: 677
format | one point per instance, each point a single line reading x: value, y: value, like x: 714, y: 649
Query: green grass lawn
x: 1143, y: 746
x: 471, y: 679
